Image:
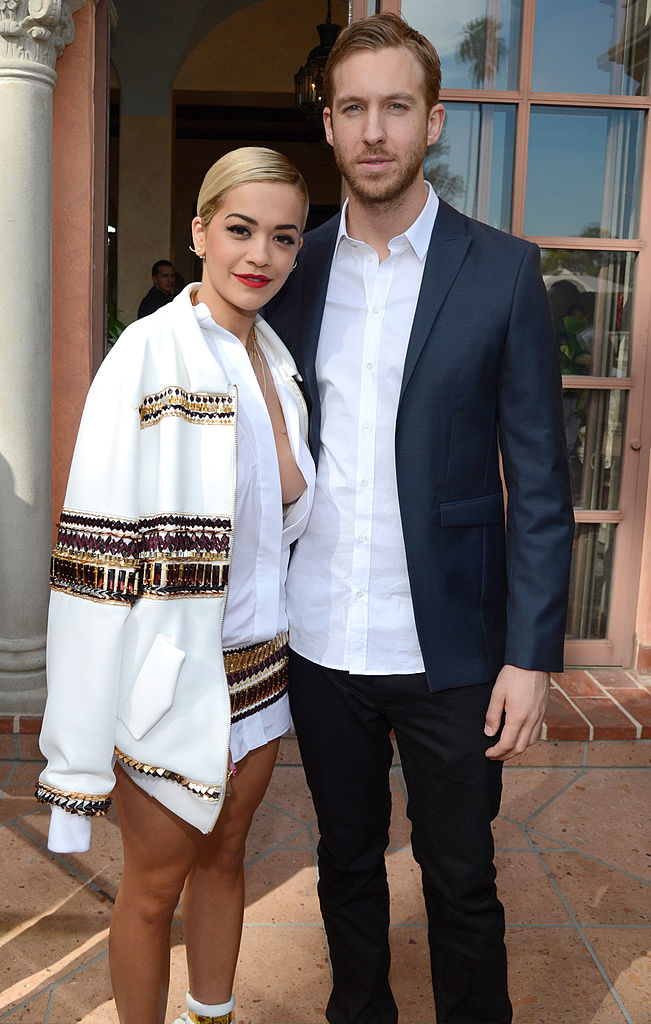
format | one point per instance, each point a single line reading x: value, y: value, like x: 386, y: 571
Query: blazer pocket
x: 487, y: 510
x: 152, y: 694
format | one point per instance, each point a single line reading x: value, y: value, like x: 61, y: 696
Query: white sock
x: 206, y: 1010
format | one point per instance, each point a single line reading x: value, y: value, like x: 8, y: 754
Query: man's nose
x: 374, y: 131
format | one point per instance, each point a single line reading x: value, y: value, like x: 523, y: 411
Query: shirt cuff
x: 69, y: 833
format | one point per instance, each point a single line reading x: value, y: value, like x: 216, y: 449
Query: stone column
x: 33, y: 33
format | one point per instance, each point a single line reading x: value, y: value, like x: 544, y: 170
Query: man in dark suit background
x: 162, y: 290
x: 425, y: 343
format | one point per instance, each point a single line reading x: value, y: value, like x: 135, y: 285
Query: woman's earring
x: 201, y: 255
x: 294, y: 267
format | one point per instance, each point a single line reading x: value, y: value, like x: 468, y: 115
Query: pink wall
x: 78, y: 225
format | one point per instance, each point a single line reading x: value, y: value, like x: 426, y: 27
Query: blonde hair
x: 242, y: 167
x: 385, y: 31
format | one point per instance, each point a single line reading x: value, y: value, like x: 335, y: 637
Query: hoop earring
x: 294, y: 267
x: 201, y: 255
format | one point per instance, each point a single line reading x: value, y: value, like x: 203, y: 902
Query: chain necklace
x: 256, y: 353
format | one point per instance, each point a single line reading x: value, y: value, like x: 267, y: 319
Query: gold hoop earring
x: 295, y: 264
x: 201, y: 255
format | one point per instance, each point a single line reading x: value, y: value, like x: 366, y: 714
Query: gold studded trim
x: 257, y: 675
x: 183, y: 579
x: 218, y: 410
x: 198, y: 788
x: 89, y: 804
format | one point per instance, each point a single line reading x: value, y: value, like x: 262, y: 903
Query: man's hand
x: 521, y: 695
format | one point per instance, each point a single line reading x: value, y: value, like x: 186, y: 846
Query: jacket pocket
x: 152, y: 694
x: 486, y: 510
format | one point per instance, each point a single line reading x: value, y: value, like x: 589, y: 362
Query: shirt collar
x: 418, y: 234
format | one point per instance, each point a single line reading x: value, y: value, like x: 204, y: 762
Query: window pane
x: 478, y: 41
x: 583, y: 172
x: 590, y: 581
x: 594, y: 428
x: 591, y: 298
x: 471, y: 166
x: 591, y: 46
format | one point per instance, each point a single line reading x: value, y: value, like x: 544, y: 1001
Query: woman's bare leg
x: 159, y: 849
x: 213, y: 898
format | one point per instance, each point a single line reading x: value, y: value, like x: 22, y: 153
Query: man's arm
x: 520, y: 698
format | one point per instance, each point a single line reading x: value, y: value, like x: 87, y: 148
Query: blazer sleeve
x: 94, y: 579
x: 540, y: 522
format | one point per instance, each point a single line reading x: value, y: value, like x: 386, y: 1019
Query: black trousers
x: 343, y: 723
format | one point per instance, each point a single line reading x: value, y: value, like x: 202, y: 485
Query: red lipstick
x: 253, y: 280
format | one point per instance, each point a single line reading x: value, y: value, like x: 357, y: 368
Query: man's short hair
x: 377, y: 33
x: 158, y: 264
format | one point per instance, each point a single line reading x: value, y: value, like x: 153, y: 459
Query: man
x: 425, y: 343
x: 162, y: 289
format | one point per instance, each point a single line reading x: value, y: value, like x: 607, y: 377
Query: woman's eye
x: 285, y: 239
x: 238, y: 229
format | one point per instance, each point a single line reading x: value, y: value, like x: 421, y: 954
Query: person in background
x: 426, y: 346
x: 167, y: 632
x: 162, y: 290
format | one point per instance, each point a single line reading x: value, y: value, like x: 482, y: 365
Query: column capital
x: 34, y: 32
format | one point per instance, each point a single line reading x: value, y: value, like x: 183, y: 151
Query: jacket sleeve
x: 94, y: 579
x: 540, y: 522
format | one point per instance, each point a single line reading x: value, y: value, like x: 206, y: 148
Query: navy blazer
x: 481, y: 379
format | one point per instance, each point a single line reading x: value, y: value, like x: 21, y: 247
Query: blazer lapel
x: 447, y: 250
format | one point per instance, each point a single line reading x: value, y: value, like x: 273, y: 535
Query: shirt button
x: 364, y: 483
x: 362, y: 540
x: 375, y: 310
x: 360, y: 593
x: 369, y: 366
x: 369, y: 258
x: 366, y: 425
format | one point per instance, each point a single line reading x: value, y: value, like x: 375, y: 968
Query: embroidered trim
x: 216, y: 410
x: 207, y: 792
x: 120, y: 560
x: 257, y: 675
x: 76, y: 803
x: 183, y: 579
x: 184, y: 536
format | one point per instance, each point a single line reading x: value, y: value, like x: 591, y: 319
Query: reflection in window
x: 591, y: 299
x: 583, y: 172
x: 594, y: 428
x: 592, y: 46
x: 477, y: 40
x: 591, y: 581
x: 471, y: 166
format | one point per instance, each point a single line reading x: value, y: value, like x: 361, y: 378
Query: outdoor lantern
x: 308, y: 80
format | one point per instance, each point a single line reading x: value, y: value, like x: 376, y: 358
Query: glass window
x: 591, y: 299
x: 594, y: 428
x: 471, y: 166
x: 478, y: 41
x: 583, y: 172
x: 591, y: 46
x: 591, y: 580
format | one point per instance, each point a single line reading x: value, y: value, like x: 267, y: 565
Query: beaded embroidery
x: 195, y: 408
x: 159, y: 556
x: 96, y: 557
x: 257, y: 675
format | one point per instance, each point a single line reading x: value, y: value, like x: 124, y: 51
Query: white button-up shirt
x: 348, y: 595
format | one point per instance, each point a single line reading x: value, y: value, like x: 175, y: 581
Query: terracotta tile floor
x: 574, y: 864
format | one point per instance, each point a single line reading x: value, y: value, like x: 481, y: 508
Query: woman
x: 190, y: 479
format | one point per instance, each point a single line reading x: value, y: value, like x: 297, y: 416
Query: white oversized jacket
x: 140, y: 570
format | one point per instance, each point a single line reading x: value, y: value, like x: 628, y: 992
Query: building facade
x: 114, y: 111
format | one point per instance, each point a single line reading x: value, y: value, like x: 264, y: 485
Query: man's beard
x: 375, y: 191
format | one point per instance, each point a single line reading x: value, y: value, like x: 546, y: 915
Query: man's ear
x: 435, y: 120
x: 327, y: 124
